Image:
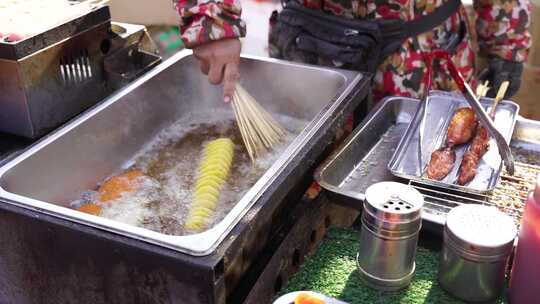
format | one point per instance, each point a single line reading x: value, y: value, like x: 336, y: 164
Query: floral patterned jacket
x: 501, y: 28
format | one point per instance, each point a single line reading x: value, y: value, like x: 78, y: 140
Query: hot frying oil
x: 170, y: 163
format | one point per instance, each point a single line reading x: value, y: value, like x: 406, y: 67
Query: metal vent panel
x: 75, y: 68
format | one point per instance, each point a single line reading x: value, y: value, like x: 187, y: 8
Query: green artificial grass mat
x: 332, y: 272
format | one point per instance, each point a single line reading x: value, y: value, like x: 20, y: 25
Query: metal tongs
x: 472, y: 99
x: 422, y: 108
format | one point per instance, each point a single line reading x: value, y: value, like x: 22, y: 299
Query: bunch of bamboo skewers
x: 260, y: 132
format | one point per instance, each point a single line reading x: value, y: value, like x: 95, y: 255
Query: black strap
x: 428, y: 22
x: 395, y: 31
x: 372, y: 40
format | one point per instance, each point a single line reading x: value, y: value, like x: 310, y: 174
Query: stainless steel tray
x: 57, y: 169
x: 441, y: 106
x: 362, y: 159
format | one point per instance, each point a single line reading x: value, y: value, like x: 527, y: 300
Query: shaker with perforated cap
x: 391, y: 221
x: 478, y: 240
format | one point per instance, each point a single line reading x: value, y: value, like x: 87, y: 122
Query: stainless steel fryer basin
x: 56, y: 170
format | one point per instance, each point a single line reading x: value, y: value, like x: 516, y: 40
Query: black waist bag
x: 352, y: 43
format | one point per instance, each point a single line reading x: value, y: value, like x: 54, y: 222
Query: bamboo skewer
x: 260, y: 132
x: 500, y: 95
x: 482, y: 89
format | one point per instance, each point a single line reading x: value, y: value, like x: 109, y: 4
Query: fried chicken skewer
x: 461, y: 128
x: 479, y: 145
x: 441, y: 163
x: 460, y: 131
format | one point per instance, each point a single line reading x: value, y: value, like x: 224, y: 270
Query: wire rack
x: 509, y: 194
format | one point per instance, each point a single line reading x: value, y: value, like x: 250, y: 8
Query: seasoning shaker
x: 478, y: 240
x: 391, y: 221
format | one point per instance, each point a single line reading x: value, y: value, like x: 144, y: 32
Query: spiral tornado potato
x: 213, y: 172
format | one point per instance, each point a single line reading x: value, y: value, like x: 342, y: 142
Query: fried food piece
x: 213, y: 172
x: 441, y: 163
x: 460, y: 131
x: 114, y: 187
x: 93, y: 209
x: 304, y: 298
x: 471, y: 159
x: 462, y: 127
x: 467, y: 170
x: 480, y: 143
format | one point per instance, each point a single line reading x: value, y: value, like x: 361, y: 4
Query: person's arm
x: 503, y: 37
x: 204, y: 21
x: 212, y: 28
